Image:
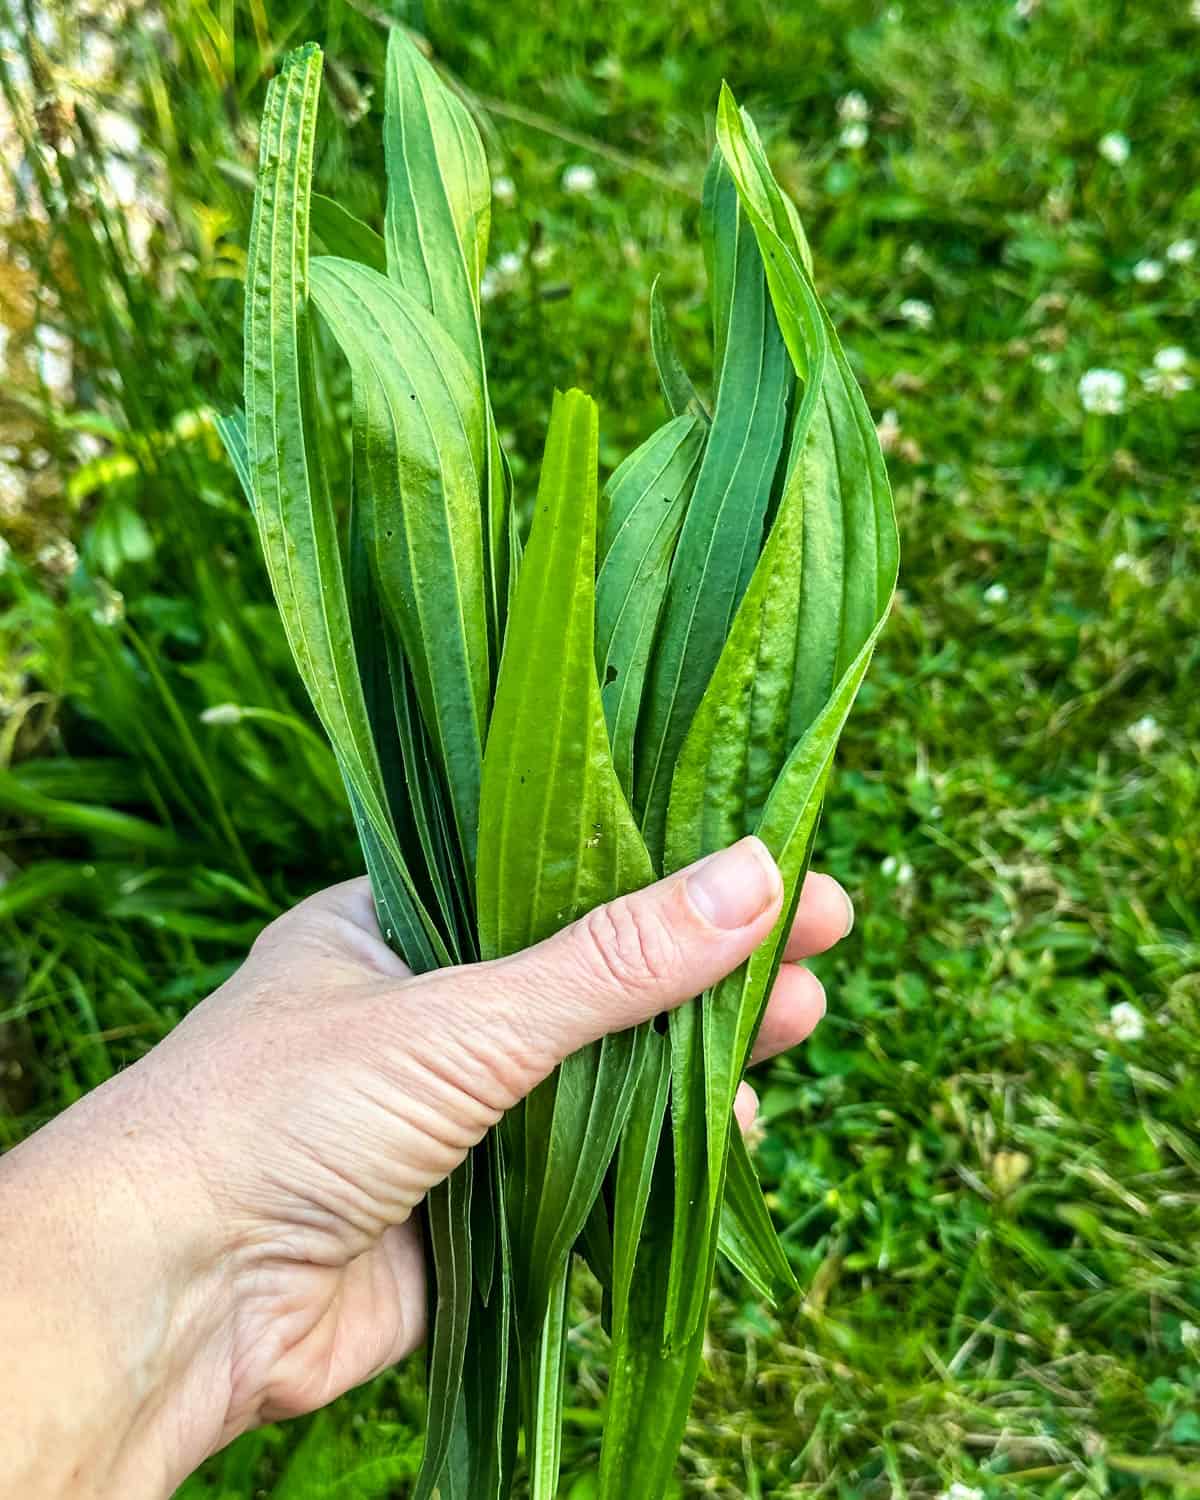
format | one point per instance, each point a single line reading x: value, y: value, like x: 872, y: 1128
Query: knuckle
x: 628, y: 945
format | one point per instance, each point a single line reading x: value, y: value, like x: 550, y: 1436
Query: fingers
x: 745, y: 1107
x: 824, y: 916
x: 793, y: 1012
x: 628, y: 960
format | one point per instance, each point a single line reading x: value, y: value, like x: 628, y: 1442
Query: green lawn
x: 986, y: 1165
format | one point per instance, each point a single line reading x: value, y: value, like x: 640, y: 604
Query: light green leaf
x: 646, y: 500
x: 419, y: 435
x: 293, y: 508
x: 339, y: 233
x: 436, y: 227
x: 557, y: 839
x: 231, y: 429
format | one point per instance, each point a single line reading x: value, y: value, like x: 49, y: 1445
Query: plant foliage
x: 526, y: 729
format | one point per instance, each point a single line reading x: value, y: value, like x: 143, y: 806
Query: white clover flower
x: 916, y: 313
x: 489, y: 285
x: 222, y: 713
x: 579, y: 179
x: 960, y: 1491
x: 1149, y: 271
x: 1114, y: 148
x: 1102, y: 391
x: 504, y: 190
x: 887, y: 430
x: 109, y: 608
x: 1145, y: 733
x: 54, y: 364
x: 1180, y: 252
x: 1169, y: 377
x: 1166, y: 386
x: 1171, y: 360
x: 896, y: 869
x: 1127, y: 1022
x: 510, y: 263
x: 855, y: 135
x: 996, y: 594
x: 59, y: 557
x: 853, y: 107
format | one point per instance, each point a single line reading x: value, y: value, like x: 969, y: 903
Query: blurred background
x: 986, y: 1165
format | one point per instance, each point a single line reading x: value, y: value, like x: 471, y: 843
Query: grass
x: 989, y: 1184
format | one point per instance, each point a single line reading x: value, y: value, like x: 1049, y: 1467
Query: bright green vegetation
x: 991, y: 1200
x: 450, y: 648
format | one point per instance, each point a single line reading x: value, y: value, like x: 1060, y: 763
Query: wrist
x: 114, y: 1303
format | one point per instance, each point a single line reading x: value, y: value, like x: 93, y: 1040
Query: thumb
x: 626, y: 961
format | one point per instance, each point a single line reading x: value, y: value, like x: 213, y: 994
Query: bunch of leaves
x: 530, y: 725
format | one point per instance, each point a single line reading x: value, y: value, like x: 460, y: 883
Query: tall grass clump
x: 531, y: 721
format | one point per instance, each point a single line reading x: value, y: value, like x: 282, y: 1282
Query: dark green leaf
x: 646, y: 500
x: 722, y: 532
x: 680, y: 394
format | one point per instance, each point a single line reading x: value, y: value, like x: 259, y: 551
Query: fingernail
x: 733, y: 887
x: 849, y: 911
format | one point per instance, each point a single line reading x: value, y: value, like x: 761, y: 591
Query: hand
x: 246, y: 1189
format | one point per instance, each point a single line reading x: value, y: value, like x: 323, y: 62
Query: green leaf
x: 556, y: 839
x: 231, y: 429
x: 775, y: 705
x: 339, y: 233
x: 747, y: 1237
x: 722, y: 532
x: 646, y: 500
x: 436, y: 228
x: 293, y: 508
x: 419, y: 435
x: 680, y: 394
x: 448, y: 1225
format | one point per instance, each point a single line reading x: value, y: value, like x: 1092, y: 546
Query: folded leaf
x: 292, y: 506
x: 789, y: 671
x: 646, y: 500
x: 681, y: 395
x: 722, y: 532
x: 747, y: 1236
x: 436, y: 226
x: 556, y: 839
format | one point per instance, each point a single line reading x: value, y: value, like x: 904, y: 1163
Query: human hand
x: 266, y: 1157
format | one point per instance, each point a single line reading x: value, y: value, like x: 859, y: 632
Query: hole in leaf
x: 610, y: 674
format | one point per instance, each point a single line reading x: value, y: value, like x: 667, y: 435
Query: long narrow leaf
x: 292, y: 503
x: 436, y: 227
x: 646, y: 497
x: 722, y: 532
x: 557, y: 839
x: 419, y: 436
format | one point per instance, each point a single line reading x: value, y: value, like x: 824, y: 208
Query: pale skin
x: 223, y: 1234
